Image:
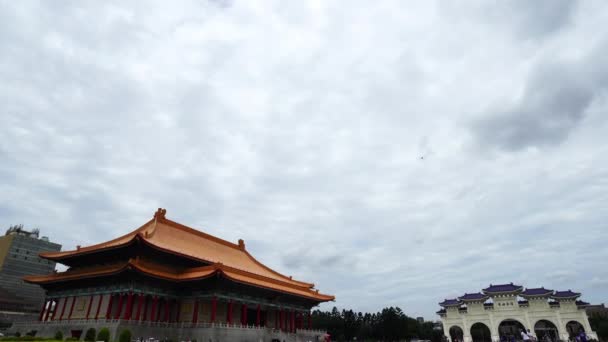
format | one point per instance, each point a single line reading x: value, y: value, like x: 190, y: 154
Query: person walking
x: 524, y: 335
x: 531, y: 336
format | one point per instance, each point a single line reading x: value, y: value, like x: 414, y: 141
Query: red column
x: 65, y: 300
x: 159, y: 309
x: 109, y: 309
x: 276, y: 319
x: 213, y: 308
x: 129, y: 307
x: 48, y: 310
x: 243, y: 314
x: 72, y: 307
x: 140, y: 302
x: 54, y: 309
x: 229, y: 313
x: 292, y: 323
x: 257, y: 317
x: 41, y: 316
x: 195, y: 312
x: 98, y: 306
x: 144, y: 314
x: 309, y: 320
x: 153, y: 313
x: 178, y: 310
x: 119, y: 311
x: 89, y: 308
x: 167, y: 307
x: 282, y: 319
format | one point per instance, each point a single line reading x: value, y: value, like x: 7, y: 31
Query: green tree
x: 103, y: 335
x: 90, y: 335
x: 125, y: 336
x: 602, y: 330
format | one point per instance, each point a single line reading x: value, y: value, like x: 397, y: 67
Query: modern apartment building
x: 19, y: 251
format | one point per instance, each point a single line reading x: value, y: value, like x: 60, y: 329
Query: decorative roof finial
x: 160, y: 213
x: 241, y: 244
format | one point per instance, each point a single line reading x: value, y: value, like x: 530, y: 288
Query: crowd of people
x: 527, y: 336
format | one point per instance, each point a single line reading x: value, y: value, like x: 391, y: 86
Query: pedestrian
x: 531, y: 336
x: 583, y: 336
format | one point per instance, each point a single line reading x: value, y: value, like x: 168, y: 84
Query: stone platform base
x: 202, y: 332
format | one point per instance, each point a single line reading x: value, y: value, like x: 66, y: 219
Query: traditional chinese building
x: 500, y: 312
x: 167, y: 280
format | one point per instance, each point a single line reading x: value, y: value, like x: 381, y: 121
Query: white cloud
x: 299, y: 127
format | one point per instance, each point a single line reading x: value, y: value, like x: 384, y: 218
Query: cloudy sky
x: 394, y: 153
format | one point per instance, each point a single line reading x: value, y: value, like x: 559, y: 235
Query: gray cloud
x: 299, y: 128
x: 554, y: 101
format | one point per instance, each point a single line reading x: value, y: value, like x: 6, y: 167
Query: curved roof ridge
x: 233, y: 245
x: 210, y: 249
x: 261, y: 277
x: 194, y: 273
x: 206, y: 271
x: 102, y: 245
x: 199, y: 233
x: 233, y: 276
x: 236, y: 247
x: 85, y: 273
x: 304, y: 284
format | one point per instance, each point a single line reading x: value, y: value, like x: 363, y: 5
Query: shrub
x: 17, y: 334
x: 72, y: 339
x: 90, y: 335
x: 59, y: 336
x: 125, y: 336
x: 103, y: 335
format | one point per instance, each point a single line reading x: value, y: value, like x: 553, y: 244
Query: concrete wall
x: 175, y: 333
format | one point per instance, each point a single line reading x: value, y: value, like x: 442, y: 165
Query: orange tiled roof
x: 190, y: 274
x: 172, y: 237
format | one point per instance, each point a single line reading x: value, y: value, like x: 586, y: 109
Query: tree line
x: 390, y: 324
x: 599, y: 324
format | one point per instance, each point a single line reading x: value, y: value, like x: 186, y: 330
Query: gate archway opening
x: 574, y: 328
x: 456, y: 334
x: 510, y: 330
x: 546, y: 331
x: 480, y: 333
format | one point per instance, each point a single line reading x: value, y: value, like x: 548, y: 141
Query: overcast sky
x: 393, y: 153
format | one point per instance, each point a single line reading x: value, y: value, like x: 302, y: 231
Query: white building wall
x: 508, y: 308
